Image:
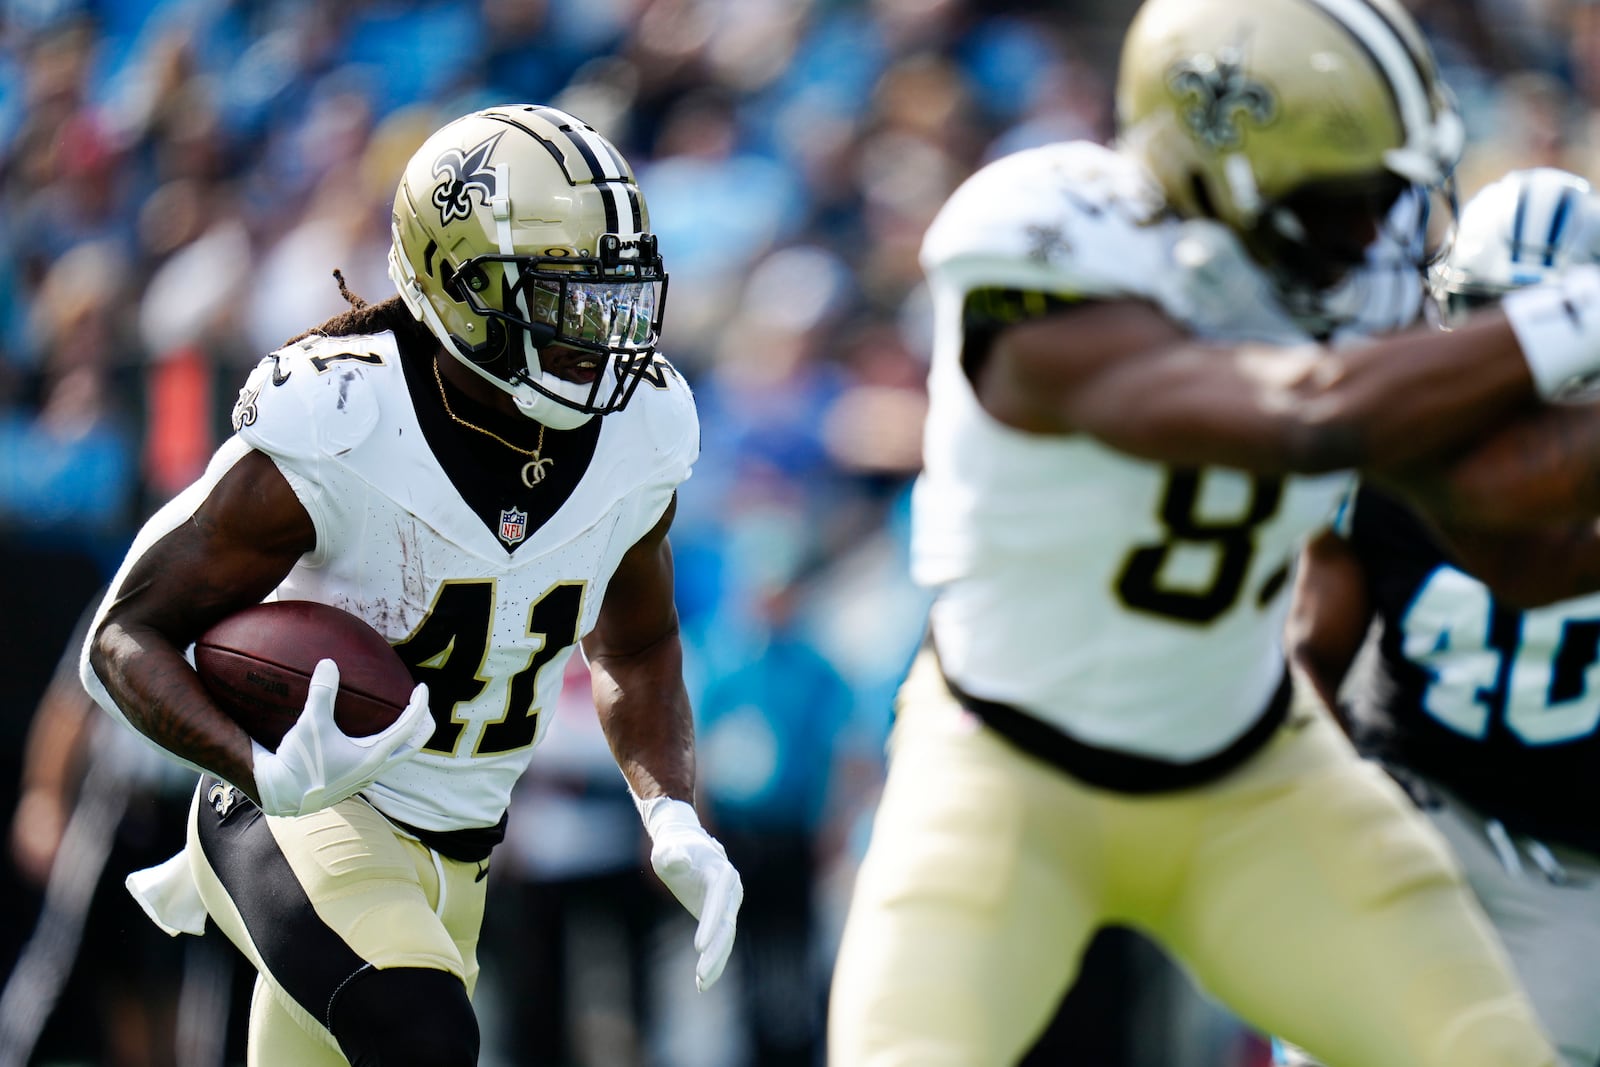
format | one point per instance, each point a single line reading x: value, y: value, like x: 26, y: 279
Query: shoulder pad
x: 1072, y: 219
x: 664, y: 405
x: 320, y: 396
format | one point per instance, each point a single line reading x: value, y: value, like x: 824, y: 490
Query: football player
x: 483, y: 468
x: 1145, y: 357
x: 1485, y: 708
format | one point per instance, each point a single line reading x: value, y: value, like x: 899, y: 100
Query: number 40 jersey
x: 1500, y: 705
x: 1131, y: 605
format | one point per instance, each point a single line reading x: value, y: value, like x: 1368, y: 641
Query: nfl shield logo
x: 513, y: 525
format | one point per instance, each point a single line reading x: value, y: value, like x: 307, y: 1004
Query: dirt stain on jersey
x: 413, y: 573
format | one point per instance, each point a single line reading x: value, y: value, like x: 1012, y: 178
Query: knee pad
x: 405, y: 1017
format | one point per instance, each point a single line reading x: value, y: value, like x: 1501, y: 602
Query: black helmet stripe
x: 605, y: 175
x: 549, y: 146
x: 608, y: 196
x: 634, y: 207
x: 1393, y: 58
x: 605, y: 163
x: 1417, y: 63
x: 605, y: 160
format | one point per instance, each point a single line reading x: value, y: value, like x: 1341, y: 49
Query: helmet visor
x: 614, y: 316
x: 610, y: 308
x: 1322, y: 230
x: 572, y: 302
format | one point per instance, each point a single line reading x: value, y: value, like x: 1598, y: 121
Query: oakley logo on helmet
x: 462, y: 175
x: 1220, y: 95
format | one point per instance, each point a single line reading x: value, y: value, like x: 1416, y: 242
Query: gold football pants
x: 307, y: 899
x: 1302, y: 889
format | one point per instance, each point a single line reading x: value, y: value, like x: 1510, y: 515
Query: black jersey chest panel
x: 1499, y: 704
x: 487, y: 473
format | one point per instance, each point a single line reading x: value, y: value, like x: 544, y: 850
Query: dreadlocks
x: 362, y: 318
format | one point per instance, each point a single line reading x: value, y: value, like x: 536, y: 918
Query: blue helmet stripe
x: 1558, y: 223
x: 1517, y: 221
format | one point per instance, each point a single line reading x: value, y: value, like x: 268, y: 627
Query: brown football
x: 257, y: 666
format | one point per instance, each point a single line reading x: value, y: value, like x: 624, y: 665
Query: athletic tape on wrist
x: 1558, y: 329
x: 659, y: 811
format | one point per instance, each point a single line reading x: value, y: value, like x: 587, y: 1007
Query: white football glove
x: 318, y: 765
x: 692, y: 864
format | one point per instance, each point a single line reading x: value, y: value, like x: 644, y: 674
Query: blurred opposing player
x: 1138, y: 352
x: 1487, y: 709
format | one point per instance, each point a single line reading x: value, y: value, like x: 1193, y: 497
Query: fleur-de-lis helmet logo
x: 463, y: 174
x: 1221, y: 97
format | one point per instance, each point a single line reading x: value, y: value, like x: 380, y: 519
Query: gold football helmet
x: 517, y: 228
x: 1296, y: 123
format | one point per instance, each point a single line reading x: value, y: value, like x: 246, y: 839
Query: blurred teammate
x: 1486, y: 709
x: 1138, y: 353
x: 484, y: 468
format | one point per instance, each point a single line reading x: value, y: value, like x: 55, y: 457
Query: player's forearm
x: 57, y: 739
x: 1529, y: 568
x: 1539, y: 469
x: 161, y: 696
x: 1330, y: 616
x: 1551, y: 330
x: 1144, y: 387
x: 1322, y: 647
x: 1323, y: 674
x: 645, y: 714
x: 1409, y: 396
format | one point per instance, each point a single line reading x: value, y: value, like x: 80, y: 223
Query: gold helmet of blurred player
x: 1296, y: 123
x: 519, y: 228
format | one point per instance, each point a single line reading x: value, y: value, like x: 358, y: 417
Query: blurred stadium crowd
x: 179, y: 179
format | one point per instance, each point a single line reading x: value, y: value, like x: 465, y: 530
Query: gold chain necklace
x: 534, y: 470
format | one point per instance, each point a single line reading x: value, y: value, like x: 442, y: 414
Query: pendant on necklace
x: 533, y: 471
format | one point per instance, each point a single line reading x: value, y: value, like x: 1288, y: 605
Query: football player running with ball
x: 483, y: 468
x: 1486, y: 707
x: 1148, y: 362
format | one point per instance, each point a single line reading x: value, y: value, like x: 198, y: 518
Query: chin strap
x: 552, y: 413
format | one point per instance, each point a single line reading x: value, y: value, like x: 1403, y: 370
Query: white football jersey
x: 489, y: 627
x: 1134, y: 605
